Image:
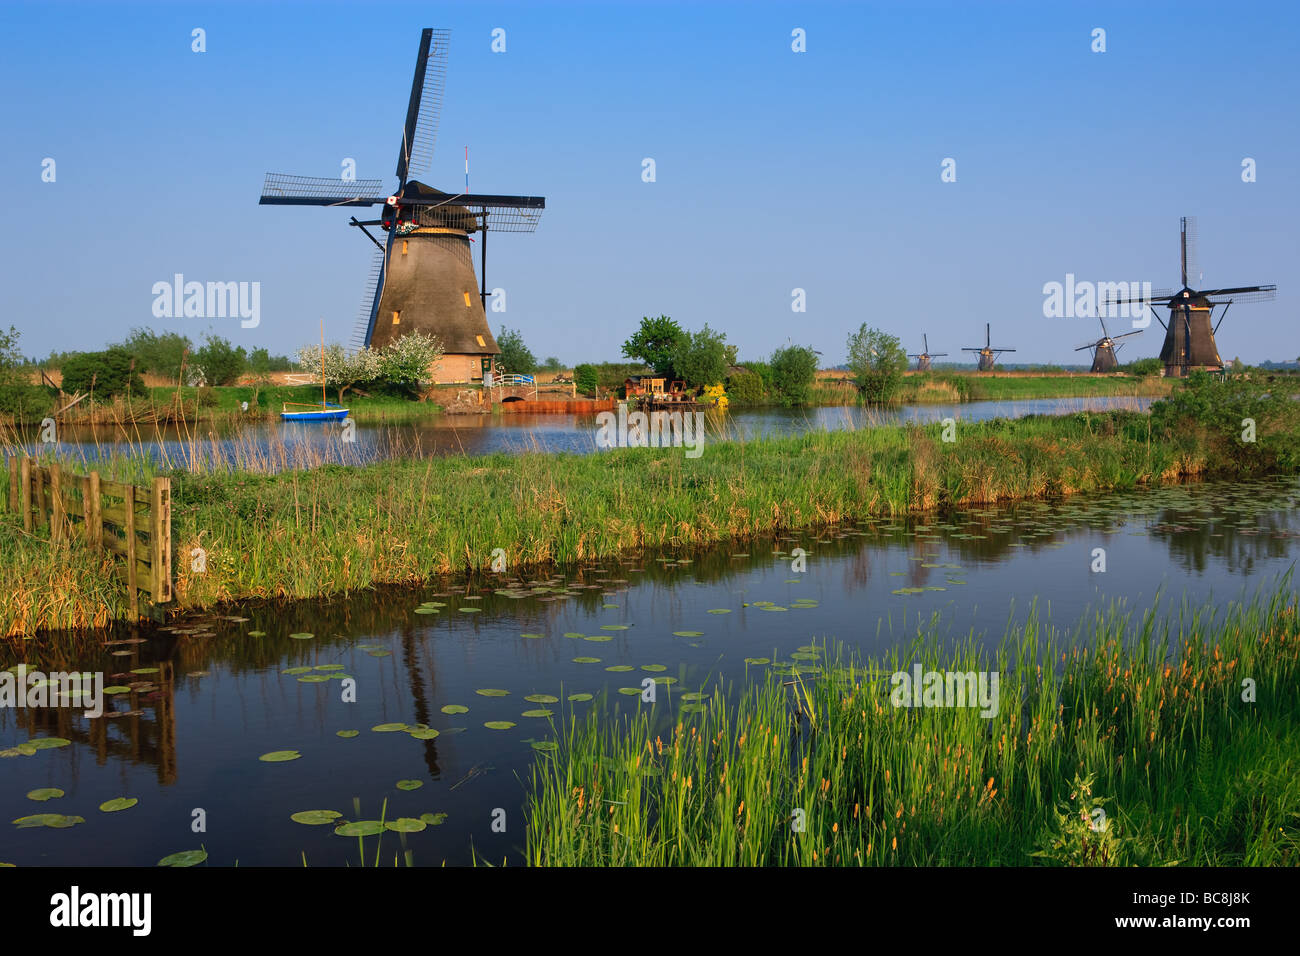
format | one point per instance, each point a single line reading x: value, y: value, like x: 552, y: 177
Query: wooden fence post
x: 39, y: 495
x: 27, y: 493
x: 15, y: 495
x: 94, y: 513
x: 128, y: 504
x: 56, y: 504
x: 161, y: 540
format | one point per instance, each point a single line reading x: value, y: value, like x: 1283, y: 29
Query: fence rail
x: 131, y: 522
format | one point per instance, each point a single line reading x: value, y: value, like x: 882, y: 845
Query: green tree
x: 745, y: 388
x: 794, y: 368
x: 515, y: 356
x: 160, y: 354
x: 586, y: 378
x: 655, y: 343
x: 342, y: 369
x: 700, y: 358
x: 111, y: 372
x: 877, y: 361
x: 11, y: 360
x: 553, y: 364
x: 219, y: 362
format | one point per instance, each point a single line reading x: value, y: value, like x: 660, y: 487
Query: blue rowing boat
x: 328, y: 413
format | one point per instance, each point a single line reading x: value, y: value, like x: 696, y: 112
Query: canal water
x: 481, y: 663
x: 274, y: 445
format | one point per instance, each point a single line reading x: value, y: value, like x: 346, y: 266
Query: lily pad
x: 314, y: 679
x: 388, y: 728
x: 615, y: 627
x: 280, y: 756
x: 688, y: 633
x: 620, y: 668
x: 574, y: 634
x: 427, y: 610
x: 329, y: 667
x: 599, y: 638
x: 586, y: 660
x: 629, y: 691
x: 423, y: 733
x: 295, y: 671
x: 455, y: 709
x: 184, y: 858
x: 361, y: 828
x: 541, y: 698
x: 315, y: 817
x: 257, y: 633
x: 302, y: 635
x: 45, y: 793
x: 409, y: 784
x: 533, y: 637
x: 47, y: 743
x: 346, y: 733
x: 492, y: 692
x: 577, y: 698
x: 538, y: 712
x: 118, y: 803
x: 757, y: 660
x: 144, y: 670
x: 405, y: 825
x: 380, y: 653
x: 720, y: 610
x: 433, y: 819
x: 499, y: 724
x: 117, y: 689
x: 56, y: 821
x: 654, y: 668
x: 545, y: 745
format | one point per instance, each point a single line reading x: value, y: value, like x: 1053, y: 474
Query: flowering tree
x: 408, y: 361
x: 342, y: 369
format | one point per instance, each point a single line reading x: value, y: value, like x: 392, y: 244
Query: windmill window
x: 481, y: 343
x: 467, y: 298
x: 397, y: 317
x: 405, y: 244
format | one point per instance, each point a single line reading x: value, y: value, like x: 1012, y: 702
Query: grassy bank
x: 1182, y: 768
x: 335, y: 528
x: 939, y: 388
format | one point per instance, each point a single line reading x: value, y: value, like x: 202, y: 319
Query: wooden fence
x: 132, y: 523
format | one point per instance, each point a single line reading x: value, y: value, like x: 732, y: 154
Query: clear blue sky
x: 775, y: 170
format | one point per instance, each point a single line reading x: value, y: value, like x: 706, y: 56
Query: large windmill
x: 923, y: 358
x: 422, y: 278
x: 988, y: 354
x: 1189, y: 337
x: 1103, y: 356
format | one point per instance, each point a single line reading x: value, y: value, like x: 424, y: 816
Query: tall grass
x: 332, y: 529
x: 1144, y: 719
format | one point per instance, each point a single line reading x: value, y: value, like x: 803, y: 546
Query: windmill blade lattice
x: 280, y: 189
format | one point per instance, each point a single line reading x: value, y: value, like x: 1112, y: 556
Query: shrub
x: 159, y: 354
x: 515, y: 356
x: 1241, y: 421
x: 585, y: 379
x: 700, y: 358
x: 112, y: 371
x: 877, y: 362
x: 793, y: 370
x: 219, y: 362
x: 1145, y: 367
x: 745, y: 388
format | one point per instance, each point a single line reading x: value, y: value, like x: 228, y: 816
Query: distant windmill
x: 988, y: 354
x: 423, y: 277
x: 1103, y: 359
x: 1189, y: 337
x: 923, y: 358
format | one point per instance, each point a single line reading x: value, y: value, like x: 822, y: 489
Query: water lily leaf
x: 184, y: 858
x: 655, y: 668
x: 405, y: 825
x: 55, y: 820
x: 295, y: 671
x: 545, y: 745
x: 314, y: 679
x: 492, y: 692
x: 257, y: 633
x: 315, y: 817
x: 498, y: 724
x: 380, y: 653
x: 533, y: 636
x: 586, y: 660
x: 117, y: 689
x: 629, y: 691
x: 469, y: 610
x: 47, y: 743
x: 720, y: 610
x: 688, y: 633
x: 423, y: 733
x: 615, y: 627
x: 302, y: 635
x: 693, y: 708
x: 409, y: 784
x: 433, y: 819
x: 361, y: 828
x: 757, y: 660
x: 580, y: 697
x: 575, y: 634
x: 144, y: 670
x: 45, y: 793
x: 541, y: 698
x: 388, y: 728
x: 280, y: 756
x: 346, y: 733
x: 599, y: 638
x: 538, y: 712
x: 455, y: 709
x: 329, y: 667
x: 620, y: 668
x: 427, y: 610
x: 118, y: 803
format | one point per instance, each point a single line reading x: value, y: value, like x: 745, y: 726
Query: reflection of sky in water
x: 1191, y: 542
x: 289, y: 443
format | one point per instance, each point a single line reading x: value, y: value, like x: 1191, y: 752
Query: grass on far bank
x: 939, y: 388
x: 1182, y: 766
x: 334, y: 529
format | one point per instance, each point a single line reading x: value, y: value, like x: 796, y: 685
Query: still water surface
x: 194, y: 730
